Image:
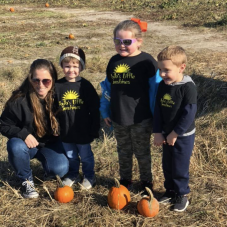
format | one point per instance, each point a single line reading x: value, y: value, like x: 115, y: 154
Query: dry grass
x: 34, y: 31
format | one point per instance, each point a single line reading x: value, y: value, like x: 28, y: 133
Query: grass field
x: 34, y: 31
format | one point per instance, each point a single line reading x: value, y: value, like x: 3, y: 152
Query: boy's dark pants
x: 134, y: 139
x: 175, y: 164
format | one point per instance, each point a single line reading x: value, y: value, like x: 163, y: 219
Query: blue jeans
x: 51, y: 156
x: 77, y: 153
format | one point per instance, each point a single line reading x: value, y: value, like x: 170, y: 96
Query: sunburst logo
x: 70, y: 95
x: 122, y: 69
x: 167, y: 97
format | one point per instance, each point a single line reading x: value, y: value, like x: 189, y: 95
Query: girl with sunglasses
x: 127, y: 102
x: 29, y: 123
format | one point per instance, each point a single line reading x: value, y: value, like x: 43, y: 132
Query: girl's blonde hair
x: 174, y: 53
x: 129, y: 25
x: 39, y: 113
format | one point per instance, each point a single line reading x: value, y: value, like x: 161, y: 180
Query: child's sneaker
x: 126, y: 183
x: 147, y: 184
x: 88, y: 184
x: 167, y: 197
x: 181, y: 203
x: 28, y: 189
x: 69, y: 181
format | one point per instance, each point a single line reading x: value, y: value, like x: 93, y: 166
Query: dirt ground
x: 195, y: 41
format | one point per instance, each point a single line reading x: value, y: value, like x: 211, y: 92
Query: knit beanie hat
x: 75, y: 52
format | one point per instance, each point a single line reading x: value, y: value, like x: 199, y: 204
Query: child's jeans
x: 51, y: 156
x: 175, y: 164
x: 77, y: 153
x: 134, y: 139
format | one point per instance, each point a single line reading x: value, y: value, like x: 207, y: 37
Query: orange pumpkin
x: 119, y: 196
x: 148, y: 206
x: 63, y: 193
x: 71, y: 36
x: 47, y: 5
x: 11, y: 9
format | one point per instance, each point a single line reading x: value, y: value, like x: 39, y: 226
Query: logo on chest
x: 167, y: 101
x: 70, y: 101
x: 122, y: 75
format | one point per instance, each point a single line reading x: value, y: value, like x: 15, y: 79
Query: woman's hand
x: 159, y: 139
x: 31, y: 141
x: 108, y: 121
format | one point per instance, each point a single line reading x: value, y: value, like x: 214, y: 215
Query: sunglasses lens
x: 127, y: 42
x: 46, y: 82
x: 35, y: 81
x: 117, y: 41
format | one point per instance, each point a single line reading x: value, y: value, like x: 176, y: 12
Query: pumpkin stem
x: 61, y: 185
x: 151, y: 196
x: 117, y: 182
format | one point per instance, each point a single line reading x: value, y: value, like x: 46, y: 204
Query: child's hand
x: 108, y: 121
x: 171, y: 138
x: 159, y: 139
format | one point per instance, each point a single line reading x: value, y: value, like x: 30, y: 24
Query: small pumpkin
x: 47, y: 5
x: 71, y: 36
x: 63, y: 193
x: 11, y: 9
x: 118, y: 197
x: 148, y: 206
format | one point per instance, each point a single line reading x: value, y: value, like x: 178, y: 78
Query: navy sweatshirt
x: 175, y: 108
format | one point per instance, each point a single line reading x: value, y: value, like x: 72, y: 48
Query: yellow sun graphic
x: 122, y: 68
x: 70, y: 95
x: 167, y: 97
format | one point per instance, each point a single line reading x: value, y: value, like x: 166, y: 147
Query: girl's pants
x: 51, y: 156
x: 134, y: 139
x: 77, y: 153
x: 175, y: 164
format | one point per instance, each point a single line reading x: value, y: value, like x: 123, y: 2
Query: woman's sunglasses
x: 126, y: 42
x: 45, y: 82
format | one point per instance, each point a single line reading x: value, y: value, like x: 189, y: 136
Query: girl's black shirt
x: 129, y: 78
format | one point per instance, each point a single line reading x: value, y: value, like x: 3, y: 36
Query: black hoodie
x: 17, y: 121
x: 79, y: 117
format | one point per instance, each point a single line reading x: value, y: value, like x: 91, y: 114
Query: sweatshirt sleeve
x: 186, y: 119
x: 9, y: 124
x: 105, y: 98
x: 153, y: 88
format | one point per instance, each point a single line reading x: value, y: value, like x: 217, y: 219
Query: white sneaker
x: 69, y: 181
x: 29, y: 190
x: 86, y: 184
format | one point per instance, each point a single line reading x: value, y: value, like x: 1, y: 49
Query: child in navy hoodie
x: 174, y: 125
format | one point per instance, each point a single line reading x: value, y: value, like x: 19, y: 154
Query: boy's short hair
x: 73, y: 52
x: 174, y: 53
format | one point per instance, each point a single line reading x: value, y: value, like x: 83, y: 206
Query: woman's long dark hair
x: 26, y: 89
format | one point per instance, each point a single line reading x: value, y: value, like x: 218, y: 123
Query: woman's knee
x: 57, y: 164
x: 16, y: 146
x: 61, y: 169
